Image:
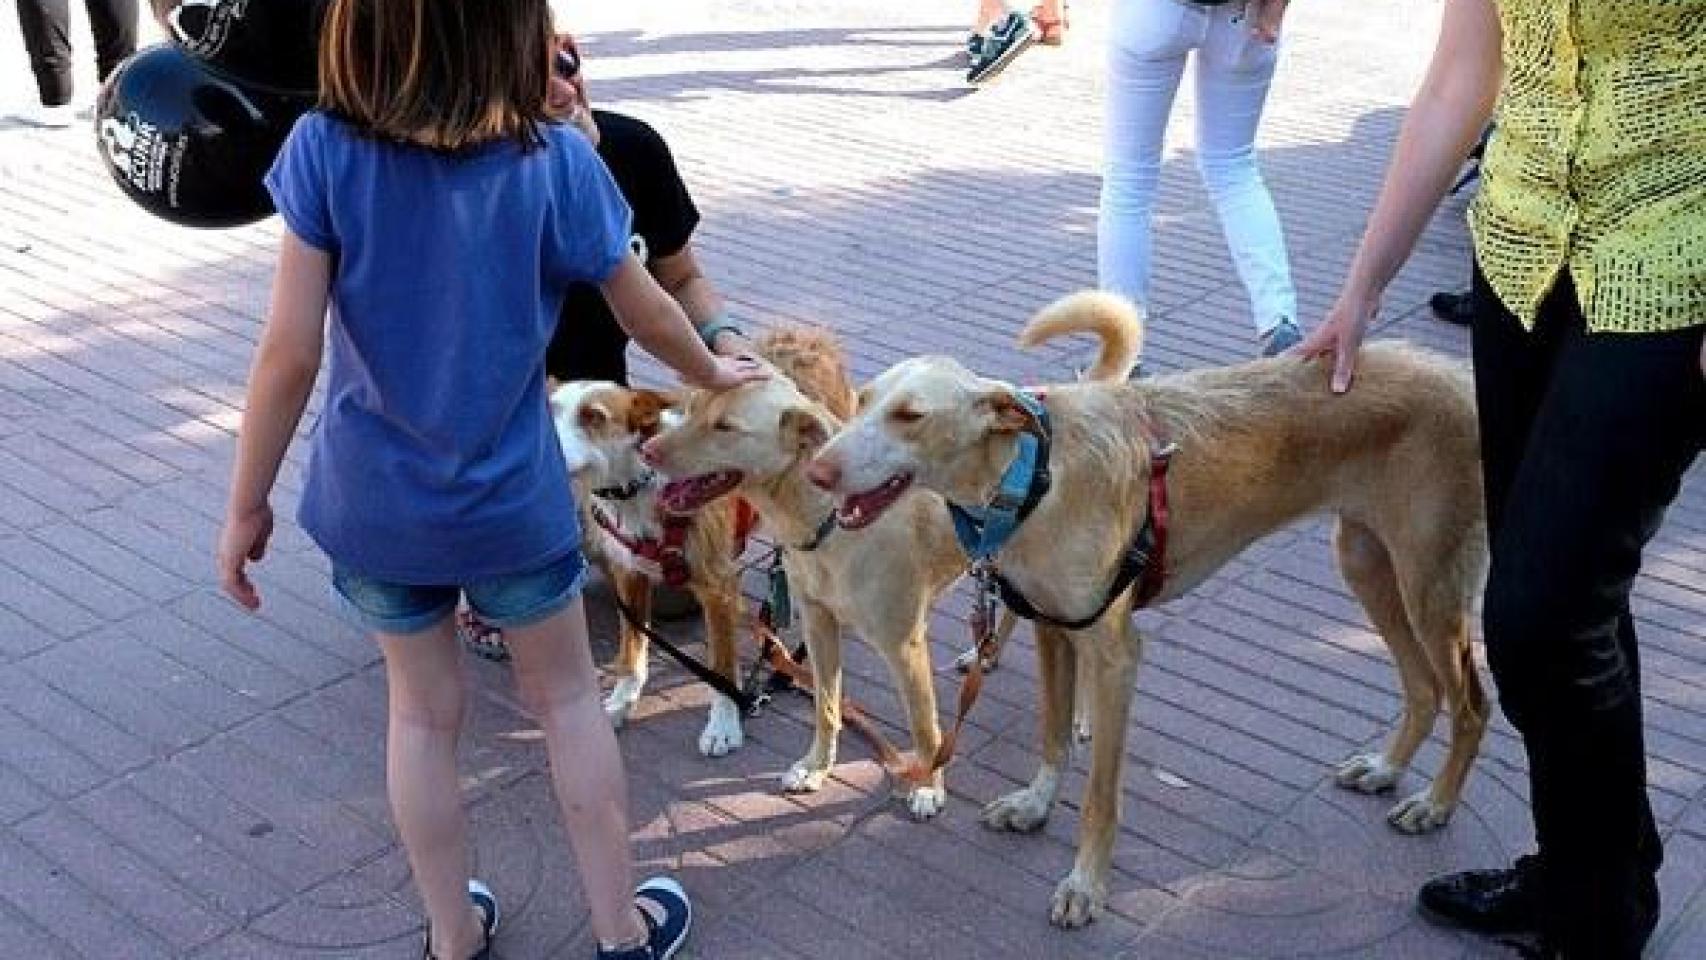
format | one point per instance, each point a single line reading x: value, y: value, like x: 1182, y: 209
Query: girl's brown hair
x: 444, y: 74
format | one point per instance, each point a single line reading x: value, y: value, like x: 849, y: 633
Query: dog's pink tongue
x: 674, y: 494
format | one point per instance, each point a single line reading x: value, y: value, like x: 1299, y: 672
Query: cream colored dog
x: 880, y: 579
x: 600, y: 427
x: 1259, y: 445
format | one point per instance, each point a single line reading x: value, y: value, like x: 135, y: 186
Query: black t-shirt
x: 588, y: 344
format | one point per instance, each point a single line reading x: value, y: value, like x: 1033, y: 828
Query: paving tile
x: 54, y: 900
x: 59, y: 718
x: 123, y: 878
x: 28, y: 939
x: 176, y: 844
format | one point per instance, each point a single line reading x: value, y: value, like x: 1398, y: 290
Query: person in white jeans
x: 1236, y: 49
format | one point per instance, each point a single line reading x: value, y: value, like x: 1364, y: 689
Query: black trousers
x: 1585, y: 439
x: 46, y: 27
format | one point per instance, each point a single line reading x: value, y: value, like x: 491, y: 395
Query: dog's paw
x: 619, y: 702
x: 1368, y: 773
x: 1080, y: 729
x: 1418, y: 814
x: 803, y: 777
x: 722, y: 734
x: 1022, y: 811
x: 926, y: 802
x: 968, y: 656
x: 1077, y: 901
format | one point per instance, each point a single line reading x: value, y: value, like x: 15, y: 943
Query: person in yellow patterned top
x: 1589, y: 336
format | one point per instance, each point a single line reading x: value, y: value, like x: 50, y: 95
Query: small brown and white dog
x: 880, y: 580
x: 1259, y: 445
x: 638, y: 545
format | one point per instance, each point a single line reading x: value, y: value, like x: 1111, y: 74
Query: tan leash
x: 989, y: 635
x: 774, y: 652
x: 904, y: 766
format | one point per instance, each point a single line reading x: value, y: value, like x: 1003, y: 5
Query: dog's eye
x: 905, y: 415
x: 723, y: 426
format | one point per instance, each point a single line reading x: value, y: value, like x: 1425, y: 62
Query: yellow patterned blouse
x: 1598, y: 163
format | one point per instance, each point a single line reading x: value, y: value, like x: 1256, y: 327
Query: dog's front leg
x: 909, y: 661
x: 722, y: 734
x: 1028, y: 809
x: 823, y: 650
x: 631, y: 653
x: 1115, y: 645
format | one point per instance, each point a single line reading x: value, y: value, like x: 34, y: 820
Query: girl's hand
x: 732, y: 372
x: 1265, y: 17
x: 1340, y: 334
x: 244, y: 539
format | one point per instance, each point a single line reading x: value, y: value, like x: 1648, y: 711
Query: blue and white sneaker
x: 1007, y: 38
x: 484, y: 901
x: 668, y: 916
x: 1281, y: 337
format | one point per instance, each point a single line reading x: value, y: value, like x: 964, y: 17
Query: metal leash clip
x: 983, y: 607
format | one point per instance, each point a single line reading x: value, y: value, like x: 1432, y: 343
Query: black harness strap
x: 627, y: 491
x: 821, y: 534
x: 1142, y: 563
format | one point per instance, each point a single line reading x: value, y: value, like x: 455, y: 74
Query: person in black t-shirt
x: 589, y: 344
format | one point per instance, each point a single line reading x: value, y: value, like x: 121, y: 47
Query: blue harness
x: 983, y: 531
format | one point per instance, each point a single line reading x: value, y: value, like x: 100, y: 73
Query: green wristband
x: 721, y: 323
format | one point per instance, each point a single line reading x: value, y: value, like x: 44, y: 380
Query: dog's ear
x: 592, y: 415
x: 646, y: 409
x: 803, y: 430
x: 1006, y: 413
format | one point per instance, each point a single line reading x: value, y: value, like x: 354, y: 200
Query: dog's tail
x: 1108, y: 315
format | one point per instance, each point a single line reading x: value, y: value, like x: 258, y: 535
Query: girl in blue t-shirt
x: 434, y: 206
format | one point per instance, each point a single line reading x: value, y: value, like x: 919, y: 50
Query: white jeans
x: 1149, y: 43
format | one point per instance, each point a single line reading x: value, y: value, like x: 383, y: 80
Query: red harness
x: 668, y: 556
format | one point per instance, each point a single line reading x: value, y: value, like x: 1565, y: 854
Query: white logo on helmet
x: 202, y: 26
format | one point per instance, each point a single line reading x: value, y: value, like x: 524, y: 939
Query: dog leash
x: 987, y: 635
x: 750, y: 703
x: 854, y: 716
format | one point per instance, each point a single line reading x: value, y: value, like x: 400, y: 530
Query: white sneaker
x: 53, y: 118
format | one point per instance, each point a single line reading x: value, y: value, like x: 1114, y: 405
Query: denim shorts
x: 513, y: 600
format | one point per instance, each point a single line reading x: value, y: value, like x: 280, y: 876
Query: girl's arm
x: 1447, y: 115
x: 658, y: 325
x: 286, y: 364
x: 1265, y: 18
x: 681, y: 278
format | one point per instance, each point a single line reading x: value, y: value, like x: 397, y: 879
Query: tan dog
x: 600, y: 427
x: 879, y: 580
x: 1259, y: 445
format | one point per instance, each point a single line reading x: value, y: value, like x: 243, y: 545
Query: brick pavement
x: 178, y: 779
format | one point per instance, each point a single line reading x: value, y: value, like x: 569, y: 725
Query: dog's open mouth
x: 862, y: 509
x: 690, y: 493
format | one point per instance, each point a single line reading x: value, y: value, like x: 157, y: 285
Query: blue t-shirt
x: 434, y: 461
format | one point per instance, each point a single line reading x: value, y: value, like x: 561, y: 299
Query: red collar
x: 668, y: 556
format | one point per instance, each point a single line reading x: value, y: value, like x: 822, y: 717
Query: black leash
x: 750, y: 703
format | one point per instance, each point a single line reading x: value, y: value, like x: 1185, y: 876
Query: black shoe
x: 1489, y: 902
x: 481, y: 897
x: 1007, y: 38
x: 1455, y: 308
x: 668, y: 915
